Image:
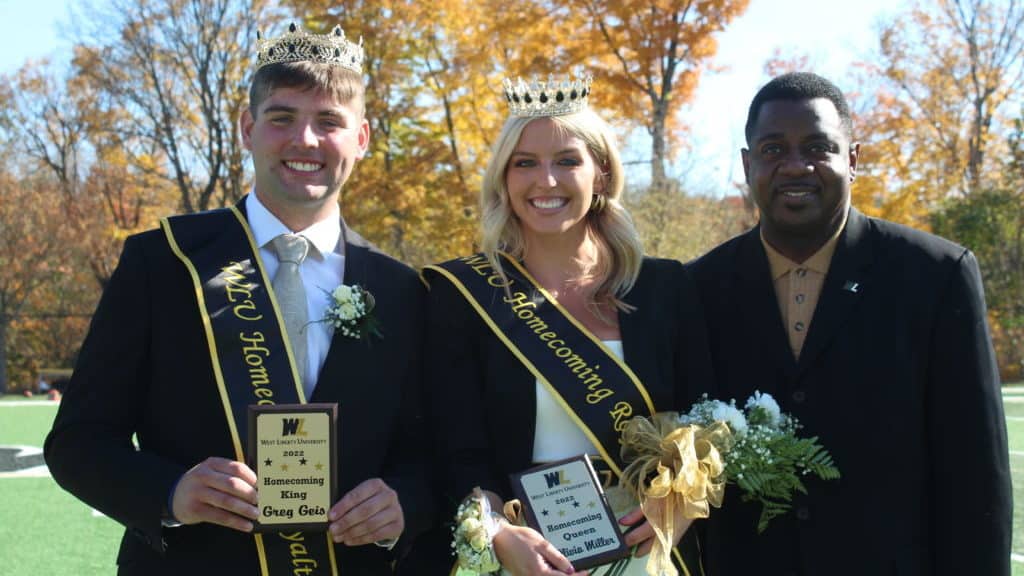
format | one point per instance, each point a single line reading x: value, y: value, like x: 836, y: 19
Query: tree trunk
x: 658, y: 144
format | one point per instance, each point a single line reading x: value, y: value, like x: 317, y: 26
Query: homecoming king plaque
x: 564, y: 502
x: 292, y: 449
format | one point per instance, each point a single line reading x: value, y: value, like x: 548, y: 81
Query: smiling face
x: 304, y: 144
x: 550, y: 178
x: 799, y: 168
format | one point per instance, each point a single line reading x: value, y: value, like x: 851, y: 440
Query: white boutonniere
x: 351, y: 312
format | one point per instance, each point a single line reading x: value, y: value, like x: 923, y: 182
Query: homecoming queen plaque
x: 564, y: 502
x: 292, y: 449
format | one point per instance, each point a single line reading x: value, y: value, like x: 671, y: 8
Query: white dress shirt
x: 322, y: 271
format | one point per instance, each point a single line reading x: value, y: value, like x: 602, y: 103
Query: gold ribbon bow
x: 673, y: 469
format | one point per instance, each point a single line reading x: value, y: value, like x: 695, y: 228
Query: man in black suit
x: 874, y: 336
x: 157, y: 364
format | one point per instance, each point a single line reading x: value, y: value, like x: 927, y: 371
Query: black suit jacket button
x: 803, y: 513
x: 799, y: 396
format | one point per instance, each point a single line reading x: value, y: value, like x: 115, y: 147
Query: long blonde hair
x: 619, y: 250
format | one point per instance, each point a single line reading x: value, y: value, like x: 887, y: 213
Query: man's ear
x: 745, y: 157
x: 245, y: 124
x: 364, y: 138
x: 854, y: 155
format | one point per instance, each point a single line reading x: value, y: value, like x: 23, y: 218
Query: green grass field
x: 44, y: 530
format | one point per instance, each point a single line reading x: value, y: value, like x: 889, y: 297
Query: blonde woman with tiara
x: 540, y: 345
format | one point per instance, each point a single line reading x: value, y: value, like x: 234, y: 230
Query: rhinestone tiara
x: 299, y: 46
x: 551, y: 98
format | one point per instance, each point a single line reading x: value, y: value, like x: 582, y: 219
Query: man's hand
x: 369, y: 513
x: 218, y: 491
x: 644, y: 533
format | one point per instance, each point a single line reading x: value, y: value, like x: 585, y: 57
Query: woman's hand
x: 643, y: 534
x: 523, y: 551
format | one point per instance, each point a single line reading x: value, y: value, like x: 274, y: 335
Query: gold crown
x: 299, y: 46
x: 551, y: 98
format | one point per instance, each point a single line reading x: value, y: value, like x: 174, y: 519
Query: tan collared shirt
x: 798, y: 286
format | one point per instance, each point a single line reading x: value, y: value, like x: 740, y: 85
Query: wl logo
x: 556, y: 478
x: 293, y: 427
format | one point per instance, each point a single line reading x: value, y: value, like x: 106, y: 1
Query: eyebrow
x: 559, y: 153
x: 292, y: 110
x: 780, y: 136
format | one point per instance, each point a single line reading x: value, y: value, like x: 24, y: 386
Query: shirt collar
x: 323, y: 235
x: 818, y: 262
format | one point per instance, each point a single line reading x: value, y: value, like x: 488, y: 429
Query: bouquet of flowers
x: 766, y: 458
x: 679, y: 464
x: 351, y: 312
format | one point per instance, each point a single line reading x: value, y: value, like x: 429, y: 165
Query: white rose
x: 732, y: 416
x: 766, y: 403
x: 478, y: 539
x: 347, y: 311
x: 470, y: 525
x: 342, y: 293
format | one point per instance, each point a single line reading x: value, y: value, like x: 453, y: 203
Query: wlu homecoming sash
x: 251, y: 356
x: 594, y: 387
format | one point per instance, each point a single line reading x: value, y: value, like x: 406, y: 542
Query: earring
x: 597, y: 203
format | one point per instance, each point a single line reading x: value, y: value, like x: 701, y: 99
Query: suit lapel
x: 347, y: 357
x: 843, y: 288
x: 757, y: 309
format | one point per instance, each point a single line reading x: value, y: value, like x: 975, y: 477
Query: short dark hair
x: 341, y: 83
x: 799, y: 86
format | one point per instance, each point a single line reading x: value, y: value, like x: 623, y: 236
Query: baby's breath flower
x: 767, y: 458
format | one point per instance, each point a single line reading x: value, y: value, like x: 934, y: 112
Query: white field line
x: 24, y: 403
x: 1017, y: 557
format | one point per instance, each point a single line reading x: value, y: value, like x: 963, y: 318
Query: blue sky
x: 833, y: 33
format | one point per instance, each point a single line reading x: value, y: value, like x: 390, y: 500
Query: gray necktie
x: 291, y: 250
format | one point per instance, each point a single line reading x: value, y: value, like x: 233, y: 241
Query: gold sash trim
x: 595, y: 388
x: 251, y: 358
x: 527, y: 326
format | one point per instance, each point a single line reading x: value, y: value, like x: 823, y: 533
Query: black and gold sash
x: 598, y: 391
x: 594, y: 387
x: 251, y: 356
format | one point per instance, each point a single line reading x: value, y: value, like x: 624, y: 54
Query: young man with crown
x: 539, y: 347
x: 191, y: 330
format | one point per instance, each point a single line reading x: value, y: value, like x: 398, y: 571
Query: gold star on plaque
x: 284, y: 467
x: 591, y: 504
x: 319, y: 466
x: 561, y: 512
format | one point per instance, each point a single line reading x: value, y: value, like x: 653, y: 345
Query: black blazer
x: 145, y: 369
x: 484, y: 400
x: 898, y: 379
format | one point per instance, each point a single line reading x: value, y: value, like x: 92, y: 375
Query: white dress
x: 556, y: 437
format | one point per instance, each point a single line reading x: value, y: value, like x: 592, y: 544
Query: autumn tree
x: 36, y: 252
x: 648, y: 56
x: 173, y: 82
x: 683, y: 226
x: 991, y: 223
x: 935, y: 122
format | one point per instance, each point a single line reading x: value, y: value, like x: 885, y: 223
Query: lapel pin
x: 851, y: 286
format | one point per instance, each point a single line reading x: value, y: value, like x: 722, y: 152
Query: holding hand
x: 643, y: 535
x: 369, y: 513
x: 218, y: 491
x: 522, y: 551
